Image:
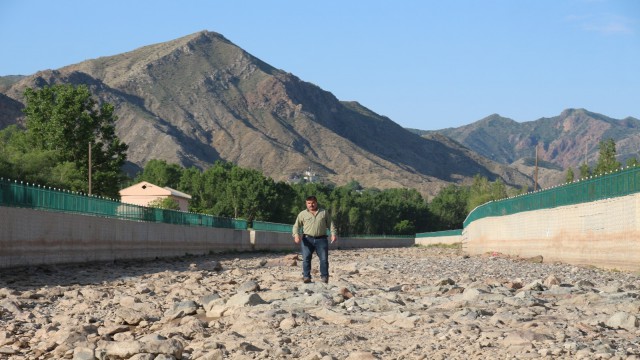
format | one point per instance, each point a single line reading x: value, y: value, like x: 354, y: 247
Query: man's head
x: 312, y: 203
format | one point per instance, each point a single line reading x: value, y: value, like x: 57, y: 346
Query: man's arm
x: 296, y: 230
x: 332, y: 228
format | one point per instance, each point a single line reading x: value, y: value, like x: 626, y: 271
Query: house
x: 145, y: 192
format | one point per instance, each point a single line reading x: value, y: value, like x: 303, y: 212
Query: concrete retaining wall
x: 434, y: 240
x: 603, y: 233
x: 34, y: 237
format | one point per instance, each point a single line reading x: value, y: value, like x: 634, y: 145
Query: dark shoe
x: 325, y: 280
x: 306, y: 280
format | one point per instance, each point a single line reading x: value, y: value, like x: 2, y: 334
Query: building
x: 145, y: 192
x: 310, y: 176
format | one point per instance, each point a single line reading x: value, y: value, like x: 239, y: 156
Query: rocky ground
x: 406, y: 303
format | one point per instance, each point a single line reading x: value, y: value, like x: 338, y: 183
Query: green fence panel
x: 383, y: 236
x: 619, y: 183
x: 456, y: 232
x: 269, y: 226
x: 24, y: 195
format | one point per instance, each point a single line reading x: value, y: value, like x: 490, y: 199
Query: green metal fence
x: 269, y: 226
x: 383, y: 236
x: 456, y: 232
x: 619, y: 183
x: 24, y: 195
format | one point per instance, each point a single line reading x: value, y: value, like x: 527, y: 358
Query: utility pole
x: 89, y: 167
x: 535, y: 181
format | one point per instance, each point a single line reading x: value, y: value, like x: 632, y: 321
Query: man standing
x: 314, y: 223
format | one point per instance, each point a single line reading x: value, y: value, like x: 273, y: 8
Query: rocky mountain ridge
x: 200, y: 98
x: 567, y: 140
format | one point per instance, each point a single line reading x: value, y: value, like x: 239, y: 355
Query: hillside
x: 566, y: 140
x: 200, y: 98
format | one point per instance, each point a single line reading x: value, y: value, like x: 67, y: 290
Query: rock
x: 404, y: 303
x: 361, y: 355
x: 248, y: 287
x: 551, y: 280
x: 128, y: 316
x: 623, y: 320
x: 346, y: 293
x: 245, y: 300
x: 536, y: 259
x: 182, y: 308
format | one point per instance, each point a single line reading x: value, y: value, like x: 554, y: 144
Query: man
x: 314, y: 223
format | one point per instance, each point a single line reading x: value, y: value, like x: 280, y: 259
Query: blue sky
x: 424, y: 64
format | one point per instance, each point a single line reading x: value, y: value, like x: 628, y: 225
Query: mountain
x: 563, y: 141
x: 200, y: 98
x: 10, y: 111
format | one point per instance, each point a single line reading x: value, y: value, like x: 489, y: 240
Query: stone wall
x: 601, y: 233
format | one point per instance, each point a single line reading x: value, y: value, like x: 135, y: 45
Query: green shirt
x: 314, y: 225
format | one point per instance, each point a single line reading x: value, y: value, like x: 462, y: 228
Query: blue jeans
x: 321, y: 247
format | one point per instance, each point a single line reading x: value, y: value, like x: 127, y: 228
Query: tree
x: 483, y: 191
x: 404, y: 227
x: 250, y: 194
x: 231, y: 191
x: 585, y: 172
x: 632, y: 161
x: 570, y: 176
x: 449, y: 207
x: 161, y: 173
x: 164, y: 203
x: 19, y: 161
x: 607, y: 157
x: 67, y: 120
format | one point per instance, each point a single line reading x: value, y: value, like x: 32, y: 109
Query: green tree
x: 160, y: 173
x: 19, y: 161
x: 585, y: 171
x: 483, y: 191
x: 7, y: 151
x: 228, y: 190
x: 67, y: 120
x: 250, y: 194
x: 570, y: 176
x: 404, y: 227
x: 607, y: 157
x: 632, y: 161
x: 449, y: 207
x: 165, y: 203
x: 231, y: 191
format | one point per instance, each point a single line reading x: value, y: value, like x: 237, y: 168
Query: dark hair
x: 312, y: 198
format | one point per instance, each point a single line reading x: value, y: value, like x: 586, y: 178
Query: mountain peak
x: 562, y: 140
x: 574, y: 112
x: 200, y: 98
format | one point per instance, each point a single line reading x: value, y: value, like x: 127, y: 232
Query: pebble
x: 392, y: 303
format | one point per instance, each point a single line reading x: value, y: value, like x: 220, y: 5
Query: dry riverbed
x: 399, y: 303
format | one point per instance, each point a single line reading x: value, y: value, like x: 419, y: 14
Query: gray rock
x: 245, y: 300
x: 623, y: 320
x: 248, y: 287
x: 128, y: 316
